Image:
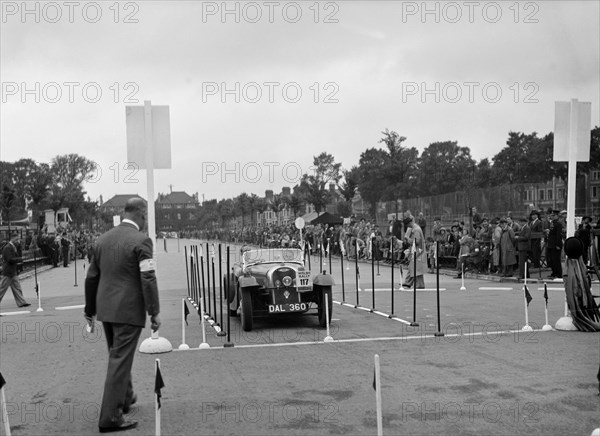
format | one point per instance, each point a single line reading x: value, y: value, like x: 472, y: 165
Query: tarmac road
x: 485, y: 376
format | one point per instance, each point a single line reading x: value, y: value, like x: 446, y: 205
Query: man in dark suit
x: 120, y: 288
x: 554, y: 245
x: 535, y: 237
x: 10, y: 278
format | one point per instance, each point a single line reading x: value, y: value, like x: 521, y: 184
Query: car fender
x: 323, y: 280
x: 246, y: 282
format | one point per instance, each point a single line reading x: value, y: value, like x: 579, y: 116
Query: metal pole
x: 392, y: 295
x: 437, y: 276
x: 372, y: 276
x: 228, y: 343
x: 356, y: 271
x: 343, y: 290
x: 415, y: 323
x: 221, y: 333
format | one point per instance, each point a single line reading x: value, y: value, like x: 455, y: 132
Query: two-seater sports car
x: 274, y: 281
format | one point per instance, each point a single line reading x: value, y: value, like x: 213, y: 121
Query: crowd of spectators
x: 500, y: 245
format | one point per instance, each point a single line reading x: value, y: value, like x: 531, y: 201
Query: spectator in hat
x: 496, y: 253
x: 10, y: 278
x: 436, y: 229
x: 554, y: 244
x: 523, y: 247
x: 416, y: 241
x: 537, y: 233
x: 507, y: 247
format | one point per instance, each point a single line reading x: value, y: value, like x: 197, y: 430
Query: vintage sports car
x: 275, y: 281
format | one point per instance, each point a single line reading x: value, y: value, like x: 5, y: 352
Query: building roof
x: 119, y: 200
x: 176, y: 197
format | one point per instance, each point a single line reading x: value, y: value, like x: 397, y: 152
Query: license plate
x: 304, y: 281
x: 291, y: 307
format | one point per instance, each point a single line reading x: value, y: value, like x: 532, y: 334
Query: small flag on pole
x: 2, y: 381
x: 546, y: 293
x: 186, y: 312
x: 158, y: 384
x: 528, y: 296
x: 374, y: 379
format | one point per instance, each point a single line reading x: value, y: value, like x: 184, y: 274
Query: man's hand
x: 155, y: 322
x: 91, y: 322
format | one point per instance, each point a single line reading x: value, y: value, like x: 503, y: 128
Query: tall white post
x: 149, y: 145
x: 572, y: 177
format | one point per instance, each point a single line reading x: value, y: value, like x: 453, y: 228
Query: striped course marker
x: 401, y: 290
x: 492, y: 288
x: 78, y: 306
x: 20, y: 312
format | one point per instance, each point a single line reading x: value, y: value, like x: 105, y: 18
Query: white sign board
x: 161, y: 136
x: 299, y: 223
x: 116, y: 220
x: 562, y: 130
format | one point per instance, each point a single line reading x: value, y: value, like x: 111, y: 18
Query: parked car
x: 275, y: 281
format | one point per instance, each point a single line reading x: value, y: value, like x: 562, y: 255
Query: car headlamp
x: 287, y: 281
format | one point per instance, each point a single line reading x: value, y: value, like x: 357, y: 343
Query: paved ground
x: 485, y: 376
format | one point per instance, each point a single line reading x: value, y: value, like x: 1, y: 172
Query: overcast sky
x: 362, y: 67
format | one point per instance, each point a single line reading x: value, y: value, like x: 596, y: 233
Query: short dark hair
x: 135, y: 205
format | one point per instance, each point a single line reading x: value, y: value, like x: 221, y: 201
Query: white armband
x: 147, y: 265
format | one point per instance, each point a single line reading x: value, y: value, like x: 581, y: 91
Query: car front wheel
x: 246, y: 312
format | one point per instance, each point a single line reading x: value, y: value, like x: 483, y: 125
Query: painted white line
x: 401, y: 290
x: 78, y: 306
x: 403, y: 321
x: 552, y: 289
x: 492, y: 288
x: 389, y: 338
x: 20, y: 312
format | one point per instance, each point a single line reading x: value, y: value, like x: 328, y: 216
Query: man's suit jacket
x: 116, y: 290
x: 10, y: 260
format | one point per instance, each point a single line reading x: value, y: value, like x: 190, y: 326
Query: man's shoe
x: 127, y: 407
x: 25, y: 305
x: 125, y: 425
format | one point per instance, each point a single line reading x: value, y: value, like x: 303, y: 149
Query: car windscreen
x: 273, y: 255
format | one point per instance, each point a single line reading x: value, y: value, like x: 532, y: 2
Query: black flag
x: 158, y: 384
x: 374, y: 379
x: 528, y: 296
x: 2, y: 381
x: 546, y: 293
x: 186, y: 312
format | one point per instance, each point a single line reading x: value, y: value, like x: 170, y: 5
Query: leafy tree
x: 445, y: 167
x: 350, y: 184
x: 296, y: 203
x: 483, y: 174
x: 372, y: 179
x: 314, y: 186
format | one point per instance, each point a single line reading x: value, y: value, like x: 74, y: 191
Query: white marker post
x: 183, y: 345
x: 572, y: 137
x: 378, y: 396
x: 328, y: 338
x: 204, y: 344
x: 462, y: 276
x: 39, y: 298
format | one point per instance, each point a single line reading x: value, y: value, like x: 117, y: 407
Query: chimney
x: 269, y: 194
x: 332, y: 187
x: 286, y: 191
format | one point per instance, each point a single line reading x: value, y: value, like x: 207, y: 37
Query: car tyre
x: 325, y: 294
x: 246, y: 312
